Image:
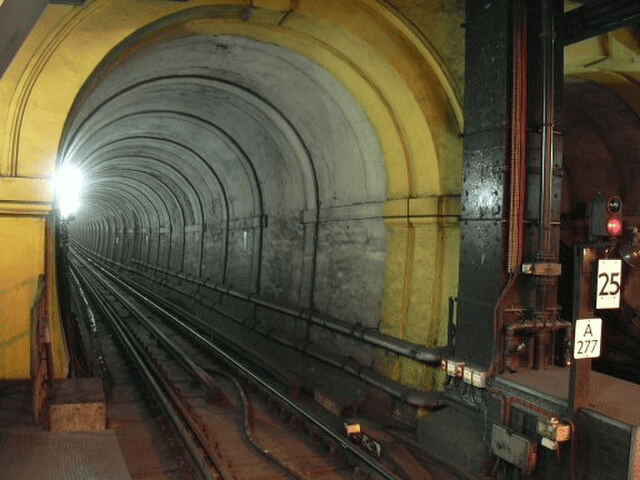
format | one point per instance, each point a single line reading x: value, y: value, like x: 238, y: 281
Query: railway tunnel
x: 307, y: 155
x: 252, y: 149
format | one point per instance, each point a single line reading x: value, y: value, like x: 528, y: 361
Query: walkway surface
x: 28, y: 451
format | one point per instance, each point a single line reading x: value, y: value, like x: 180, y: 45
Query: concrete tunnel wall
x: 301, y: 155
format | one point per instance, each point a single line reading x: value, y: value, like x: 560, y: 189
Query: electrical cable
x: 247, y: 429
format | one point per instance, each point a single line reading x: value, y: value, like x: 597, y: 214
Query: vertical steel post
x: 484, y: 192
x: 544, y: 159
x: 548, y: 94
x: 580, y: 376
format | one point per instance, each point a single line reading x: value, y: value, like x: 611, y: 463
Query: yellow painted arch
x: 386, y: 64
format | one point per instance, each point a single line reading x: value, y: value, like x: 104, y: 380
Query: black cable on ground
x: 245, y: 410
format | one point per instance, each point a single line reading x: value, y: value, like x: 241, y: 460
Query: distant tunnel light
x: 67, y: 185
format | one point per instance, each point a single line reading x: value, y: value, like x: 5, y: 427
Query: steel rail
x: 413, y: 397
x: 414, y: 351
x: 196, y: 370
x: 176, y: 411
x: 246, y: 371
x: 204, y: 378
x: 93, y: 332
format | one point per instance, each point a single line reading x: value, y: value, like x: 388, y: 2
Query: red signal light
x: 532, y: 460
x: 614, y: 227
x: 606, y: 217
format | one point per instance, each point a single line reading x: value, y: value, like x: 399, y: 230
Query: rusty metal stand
x: 580, y: 373
x: 42, y: 367
x: 585, y: 262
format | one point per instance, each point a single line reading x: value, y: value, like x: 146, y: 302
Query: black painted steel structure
x: 597, y: 18
x: 509, y: 320
x: 484, y: 194
x: 512, y: 182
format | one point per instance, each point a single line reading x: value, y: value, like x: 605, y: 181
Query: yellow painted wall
x: 24, y: 206
x: 424, y: 254
x: 21, y: 264
x: 612, y: 60
x: 403, y: 69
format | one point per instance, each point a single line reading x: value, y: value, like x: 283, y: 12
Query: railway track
x: 227, y: 418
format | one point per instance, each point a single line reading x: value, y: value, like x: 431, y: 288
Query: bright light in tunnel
x: 67, y: 184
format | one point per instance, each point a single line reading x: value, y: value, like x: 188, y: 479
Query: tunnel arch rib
x: 316, y: 162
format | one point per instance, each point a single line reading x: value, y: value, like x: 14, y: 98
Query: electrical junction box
x: 467, y: 376
x: 607, y: 432
x: 513, y: 448
x: 479, y: 379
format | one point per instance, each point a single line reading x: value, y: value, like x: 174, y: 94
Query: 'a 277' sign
x: 587, y: 338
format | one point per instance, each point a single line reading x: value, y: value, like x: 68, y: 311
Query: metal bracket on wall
x: 546, y: 269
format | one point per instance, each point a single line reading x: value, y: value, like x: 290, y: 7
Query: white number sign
x: 587, y: 338
x: 608, y: 285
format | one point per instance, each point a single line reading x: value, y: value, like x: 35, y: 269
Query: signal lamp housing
x: 606, y: 217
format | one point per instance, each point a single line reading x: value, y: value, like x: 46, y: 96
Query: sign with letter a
x: 587, y: 338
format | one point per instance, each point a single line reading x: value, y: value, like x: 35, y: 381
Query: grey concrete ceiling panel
x: 235, y: 84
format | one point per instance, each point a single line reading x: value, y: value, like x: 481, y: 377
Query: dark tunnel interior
x: 601, y: 134
x: 233, y: 161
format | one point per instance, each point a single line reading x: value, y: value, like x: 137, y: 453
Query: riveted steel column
x: 484, y: 195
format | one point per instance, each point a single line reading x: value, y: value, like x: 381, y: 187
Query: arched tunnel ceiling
x: 189, y: 147
x: 309, y: 153
x: 262, y: 128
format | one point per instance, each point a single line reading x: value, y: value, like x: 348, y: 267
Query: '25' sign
x: 608, y: 285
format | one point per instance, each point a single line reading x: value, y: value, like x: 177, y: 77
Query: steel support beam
x: 597, y: 18
x: 539, y: 291
x: 482, y: 256
x: 497, y: 234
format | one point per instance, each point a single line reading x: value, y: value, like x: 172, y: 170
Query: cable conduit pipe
x: 401, y: 347
x: 414, y: 398
x: 420, y: 353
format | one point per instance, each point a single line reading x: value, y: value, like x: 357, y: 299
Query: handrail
x: 42, y: 373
